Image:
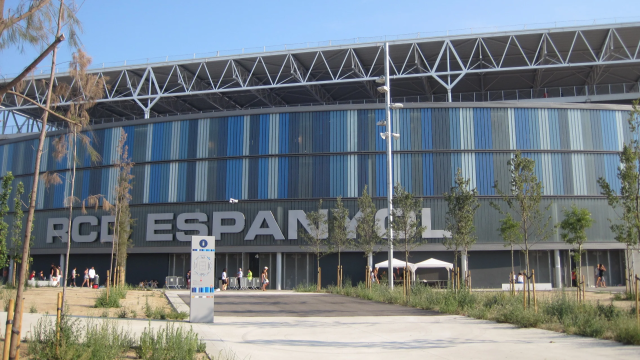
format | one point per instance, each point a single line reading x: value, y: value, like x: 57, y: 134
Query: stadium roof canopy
x: 599, y: 63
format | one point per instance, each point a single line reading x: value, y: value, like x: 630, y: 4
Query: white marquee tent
x: 433, y: 263
x: 396, y: 264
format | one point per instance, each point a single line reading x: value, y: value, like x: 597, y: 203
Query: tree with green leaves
x: 367, y: 228
x: 510, y: 232
x: 4, y: 209
x: 574, y: 231
x: 524, y: 203
x: 626, y: 203
x: 462, y: 204
x: 16, y: 230
x: 405, y: 224
x: 317, y: 238
x: 340, y: 238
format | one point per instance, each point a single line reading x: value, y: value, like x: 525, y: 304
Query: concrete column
x: 242, y: 266
x: 279, y: 271
x: 558, y: 269
x: 464, y: 264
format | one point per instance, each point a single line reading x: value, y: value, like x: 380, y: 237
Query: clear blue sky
x: 117, y: 30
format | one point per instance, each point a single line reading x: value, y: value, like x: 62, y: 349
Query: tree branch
x: 5, y: 88
x: 13, y: 20
x: 43, y: 108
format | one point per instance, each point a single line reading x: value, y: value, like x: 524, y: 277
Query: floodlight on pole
x: 381, y: 123
x: 383, y: 89
x: 395, y: 136
x: 381, y: 79
x: 396, y: 106
x: 233, y: 201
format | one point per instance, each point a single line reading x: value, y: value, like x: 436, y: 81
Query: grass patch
x: 624, y: 296
x: 113, y: 301
x: 104, y: 340
x: 303, y: 287
x: 159, y: 313
x: 89, y: 340
x: 558, y: 311
x: 170, y: 342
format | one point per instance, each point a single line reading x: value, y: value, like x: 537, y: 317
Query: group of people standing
x: 264, y: 279
x: 55, y: 274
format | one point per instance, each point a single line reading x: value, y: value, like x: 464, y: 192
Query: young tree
x: 4, y: 209
x: 85, y: 90
x: 510, y: 231
x: 524, y: 200
x: 463, y: 203
x: 123, y: 222
x: 367, y: 228
x: 339, y: 235
x: 16, y: 230
x: 17, y: 317
x: 405, y: 224
x: 316, y: 238
x: 626, y: 204
x: 574, y: 230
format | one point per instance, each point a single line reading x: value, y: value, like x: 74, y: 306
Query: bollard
x: 524, y: 293
x: 637, y: 300
x: 7, y: 336
x: 107, y: 285
x: 533, y: 282
x: 58, y: 314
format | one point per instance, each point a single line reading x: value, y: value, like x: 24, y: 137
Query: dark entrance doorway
x: 254, y: 264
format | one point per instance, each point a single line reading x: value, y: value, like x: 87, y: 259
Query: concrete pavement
x: 372, y: 337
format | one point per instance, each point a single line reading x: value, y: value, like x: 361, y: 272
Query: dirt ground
x: 82, y: 300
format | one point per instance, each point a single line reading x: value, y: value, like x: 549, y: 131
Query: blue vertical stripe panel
x: 381, y: 175
x: 283, y: 177
x: 454, y: 128
x: 482, y: 128
x: 234, y: 179
x: 427, y: 174
x: 611, y: 163
x: 523, y: 138
x: 263, y: 178
x: 264, y: 134
x: 609, y: 130
x: 283, y: 137
x: 381, y: 144
x: 427, y: 134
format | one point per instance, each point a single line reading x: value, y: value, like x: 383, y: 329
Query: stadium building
x: 280, y: 129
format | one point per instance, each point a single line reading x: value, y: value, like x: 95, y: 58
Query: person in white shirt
x: 225, y: 281
x: 239, y: 276
x: 92, y: 275
x: 520, y: 278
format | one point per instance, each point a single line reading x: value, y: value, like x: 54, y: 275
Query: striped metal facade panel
x: 336, y: 153
x: 330, y: 176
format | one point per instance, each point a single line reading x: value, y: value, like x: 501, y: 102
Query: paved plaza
x: 286, y: 325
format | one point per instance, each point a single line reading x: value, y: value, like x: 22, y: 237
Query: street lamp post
x: 387, y: 112
x: 388, y: 135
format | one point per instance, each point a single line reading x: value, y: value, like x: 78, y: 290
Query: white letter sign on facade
x: 203, y: 278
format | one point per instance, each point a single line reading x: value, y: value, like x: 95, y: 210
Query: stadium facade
x: 278, y: 160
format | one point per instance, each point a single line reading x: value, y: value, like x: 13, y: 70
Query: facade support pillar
x: 279, y: 271
x: 558, y: 269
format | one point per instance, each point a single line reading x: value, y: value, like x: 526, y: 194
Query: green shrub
x: 33, y: 309
x: 627, y: 331
x: 113, y: 301
x: 170, y: 342
x: 624, y: 296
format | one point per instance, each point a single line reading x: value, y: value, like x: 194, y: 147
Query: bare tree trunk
x: 17, y: 317
x: 113, y: 243
x: 71, y: 198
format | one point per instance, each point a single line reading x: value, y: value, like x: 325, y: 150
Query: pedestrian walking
x: 600, y: 271
x: 264, y: 278
x: 86, y: 278
x: 239, y: 277
x: 92, y: 276
x: 73, y: 277
x: 189, y: 279
x: 225, y: 280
